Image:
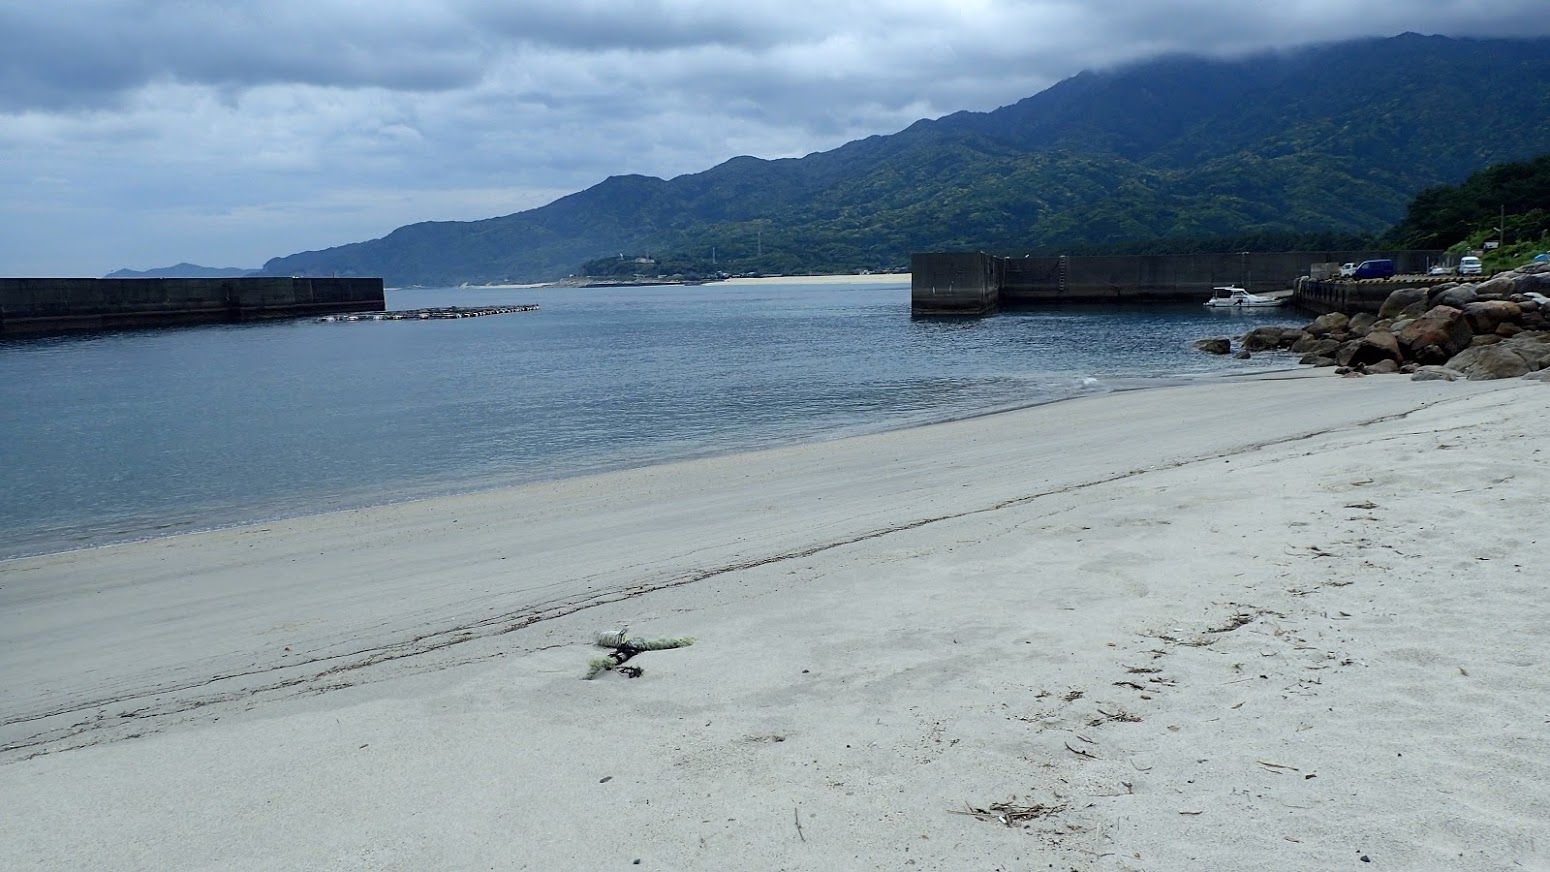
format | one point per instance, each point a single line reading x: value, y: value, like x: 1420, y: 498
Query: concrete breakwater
x: 975, y: 283
x: 43, y: 305
x: 1352, y: 296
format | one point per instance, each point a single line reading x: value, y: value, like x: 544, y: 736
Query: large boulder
x: 1361, y: 323
x: 1534, y: 348
x: 1383, y: 367
x: 1436, y: 373
x: 1321, y: 347
x: 1310, y: 344
x: 1330, y: 322
x: 1486, y: 315
x: 1266, y: 338
x: 1218, y: 345
x: 1505, y: 358
x: 1533, y: 283
x: 1317, y: 360
x: 1457, y: 296
x: 1436, y: 336
x: 1378, y: 345
x: 1502, y: 285
x: 1401, y: 300
x: 1490, y: 362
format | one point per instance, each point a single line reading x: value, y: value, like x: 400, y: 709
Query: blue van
x: 1374, y: 269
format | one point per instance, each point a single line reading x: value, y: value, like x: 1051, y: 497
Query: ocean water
x: 122, y: 435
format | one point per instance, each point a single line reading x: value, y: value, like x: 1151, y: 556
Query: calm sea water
x: 123, y: 435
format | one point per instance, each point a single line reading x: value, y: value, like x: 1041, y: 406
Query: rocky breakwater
x: 1494, y: 329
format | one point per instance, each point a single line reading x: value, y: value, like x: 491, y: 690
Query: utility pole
x: 761, y: 242
x: 1501, y: 229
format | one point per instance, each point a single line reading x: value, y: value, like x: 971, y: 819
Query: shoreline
x: 1133, y: 383
x: 1194, y: 585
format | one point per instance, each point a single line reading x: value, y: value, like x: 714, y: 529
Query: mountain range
x: 181, y: 271
x: 1331, y: 139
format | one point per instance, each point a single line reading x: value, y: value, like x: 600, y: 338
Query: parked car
x: 1440, y: 270
x: 1347, y: 270
x: 1470, y: 266
x: 1374, y: 269
x: 1542, y: 258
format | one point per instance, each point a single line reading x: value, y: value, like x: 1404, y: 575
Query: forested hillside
x: 1333, y: 140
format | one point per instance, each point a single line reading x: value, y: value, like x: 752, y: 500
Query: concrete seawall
x: 956, y: 283
x: 944, y: 284
x: 1350, y: 297
x: 42, y: 305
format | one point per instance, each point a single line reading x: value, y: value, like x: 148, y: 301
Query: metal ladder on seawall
x: 1062, y: 270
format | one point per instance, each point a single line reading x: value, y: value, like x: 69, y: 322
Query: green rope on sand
x: 662, y: 644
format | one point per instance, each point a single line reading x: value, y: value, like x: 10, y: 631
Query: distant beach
x: 870, y: 279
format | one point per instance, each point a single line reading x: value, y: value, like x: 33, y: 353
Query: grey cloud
x: 90, y: 54
x: 137, y: 132
x: 640, y: 25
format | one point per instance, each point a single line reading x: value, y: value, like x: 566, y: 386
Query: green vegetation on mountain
x: 1330, y: 141
x: 1506, y: 203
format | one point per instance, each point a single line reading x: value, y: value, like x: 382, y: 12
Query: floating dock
x: 44, y: 305
x: 432, y: 314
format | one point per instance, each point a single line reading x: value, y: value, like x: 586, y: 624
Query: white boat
x: 1237, y: 298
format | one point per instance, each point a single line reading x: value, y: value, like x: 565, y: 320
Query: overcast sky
x: 144, y: 132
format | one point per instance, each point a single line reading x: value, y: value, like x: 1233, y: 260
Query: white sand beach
x: 846, y: 279
x: 1287, y: 622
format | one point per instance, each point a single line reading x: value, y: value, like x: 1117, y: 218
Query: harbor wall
x: 1162, y: 278
x: 40, y: 305
x: 1351, y: 296
x: 955, y: 283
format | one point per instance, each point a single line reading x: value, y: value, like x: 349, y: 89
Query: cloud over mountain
x: 135, y: 132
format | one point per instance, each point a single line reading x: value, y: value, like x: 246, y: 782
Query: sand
x: 1272, y: 623
x: 847, y: 279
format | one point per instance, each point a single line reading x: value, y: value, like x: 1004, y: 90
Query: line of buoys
x: 434, y: 314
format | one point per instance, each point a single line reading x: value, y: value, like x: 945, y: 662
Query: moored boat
x: 1232, y: 297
